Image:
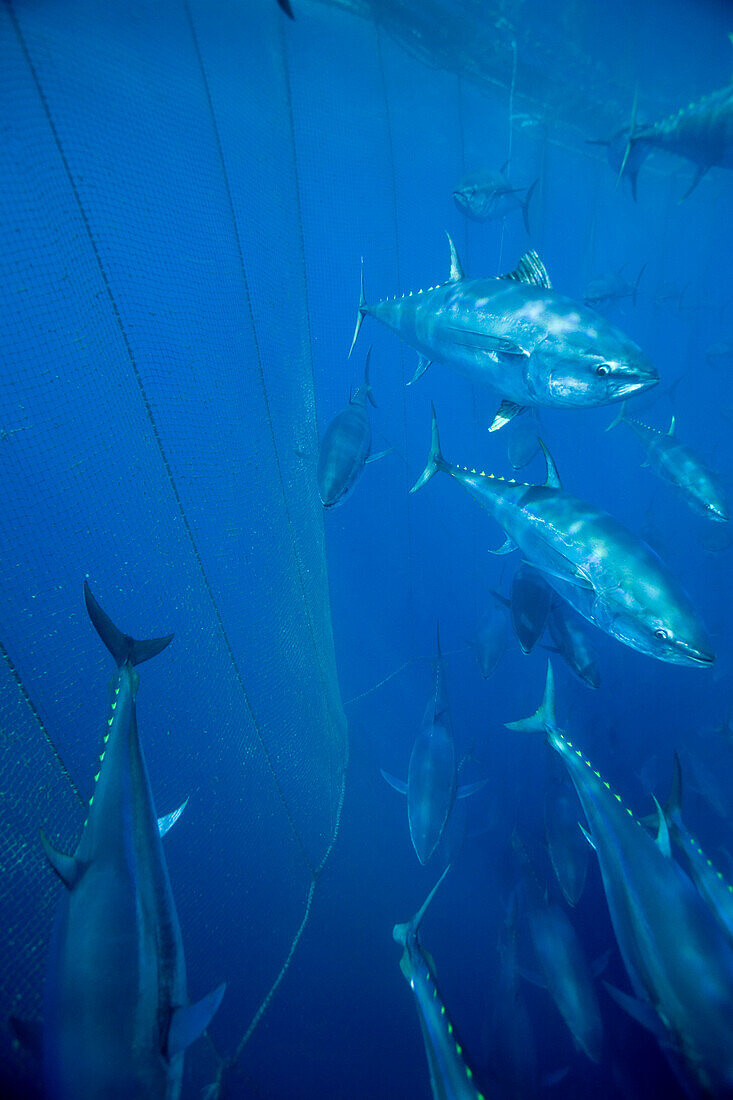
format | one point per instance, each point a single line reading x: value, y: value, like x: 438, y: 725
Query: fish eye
x: 602, y: 369
x: 661, y: 634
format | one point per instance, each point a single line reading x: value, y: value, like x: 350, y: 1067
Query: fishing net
x: 157, y: 433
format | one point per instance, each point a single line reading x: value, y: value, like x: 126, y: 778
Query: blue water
x: 337, y: 139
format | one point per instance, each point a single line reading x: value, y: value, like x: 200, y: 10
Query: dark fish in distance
x: 486, y: 195
x: 611, y: 287
x: 345, y: 447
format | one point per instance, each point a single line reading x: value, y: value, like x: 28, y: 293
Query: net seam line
x: 150, y: 415
x: 265, y: 396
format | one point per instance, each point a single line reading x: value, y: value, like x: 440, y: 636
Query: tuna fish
x: 486, y: 195
x: 490, y: 640
x: 701, y: 132
x: 116, y: 1012
x: 451, y: 1078
x: 568, y: 850
x: 518, y: 336
x: 611, y: 287
x: 345, y: 447
x: 612, y: 578
x: 677, y: 956
x: 680, y: 466
x: 570, y: 638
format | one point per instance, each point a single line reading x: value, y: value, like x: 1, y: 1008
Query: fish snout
x: 631, y: 377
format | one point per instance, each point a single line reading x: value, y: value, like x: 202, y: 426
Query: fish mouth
x: 633, y: 381
x: 697, y: 656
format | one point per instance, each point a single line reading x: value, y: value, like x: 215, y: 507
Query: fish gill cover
x: 188, y: 190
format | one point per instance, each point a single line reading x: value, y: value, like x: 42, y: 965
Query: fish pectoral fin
x: 68, y: 868
x: 167, y: 821
x: 486, y: 341
x: 599, y: 965
x: 395, y: 783
x: 701, y: 171
x: 578, y: 579
x: 506, y: 412
x: 640, y: 1011
x: 380, y: 454
x: 506, y: 547
x: 188, y: 1022
x: 470, y: 788
x: 422, y: 365
x: 587, y: 835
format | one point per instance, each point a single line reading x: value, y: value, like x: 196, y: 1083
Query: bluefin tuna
x: 568, y: 850
x: 612, y: 578
x: 487, y: 195
x: 432, y: 777
x: 701, y: 133
x: 562, y: 962
x: 570, y: 640
x: 345, y: 447
x: 451, y: 1078
x: 490, y: 640
x: 116, y: 1014
x: 518, y: 336
x: 678, y: 957
x: 678, y: 464
x: 611, y: 287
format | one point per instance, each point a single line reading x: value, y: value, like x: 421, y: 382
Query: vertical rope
x: 509, y: 145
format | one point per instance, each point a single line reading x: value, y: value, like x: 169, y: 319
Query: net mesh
x: 157, y: 428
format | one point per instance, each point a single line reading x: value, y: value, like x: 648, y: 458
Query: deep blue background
x: 339, y: 141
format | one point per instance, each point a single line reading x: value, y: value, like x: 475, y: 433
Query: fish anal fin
x: 506, y: 412
x: 188, y: 1022
x: 470, y: 788
x: 701, y: 171
x: 167, y: 821
x: 68, y: 868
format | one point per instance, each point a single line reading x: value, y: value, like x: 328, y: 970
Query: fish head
x: 713, y: 501
x: 476, y: 195
x: 594, y: 365
x: 673, y: 634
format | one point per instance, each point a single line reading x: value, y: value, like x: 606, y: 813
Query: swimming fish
x: 431, y: 787
x: 345, y: 447
x: 701, y: 132
x: 116, y: 1014
x: 451, y: 1078
x: 486, y: 195
x: 612, y: 578
x: 490, y: 640
x: 568, y: 850
x: 678, y: 464
x: 570, y: 638
x: 517, y: 335
x: 677, y: 956
x: 611, y: 287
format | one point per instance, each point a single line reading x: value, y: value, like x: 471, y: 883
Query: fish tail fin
x: 525, y: 204
x: 362, y: 309
x: 401, y: 933
x: 618, y: 418
x: 435, y: 458
x: 122, y: 646
x: 642, y: 269
x: 366, y: 384
x: 631, y: 161
x: 543, y: 718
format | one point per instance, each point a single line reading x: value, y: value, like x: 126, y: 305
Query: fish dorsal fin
x: 531, y: 270
x: 671, y: 426
x: 552, y: 481
x: 662, y: 831
x: 456, y: 268
x: 190, y: 1021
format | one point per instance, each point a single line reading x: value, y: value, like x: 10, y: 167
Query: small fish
x: 518, y: 336
x: 720, y: 352
x: 486, y: 195
x: 346, y: 445
x: 570, y: 638
x: 451, y: 1078
x: 612, y: 578
x: 611, y: 287
x: 491, y: 638
x: 569, y: 853
x: 678, y: 464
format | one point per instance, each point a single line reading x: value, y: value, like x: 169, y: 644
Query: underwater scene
x: 366, y: 693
